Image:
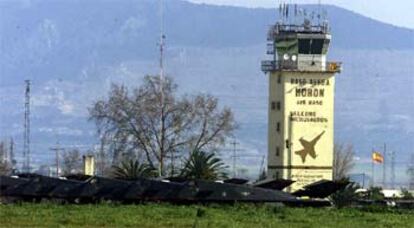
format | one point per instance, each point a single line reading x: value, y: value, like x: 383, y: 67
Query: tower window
x: 311, y: 46
x: 279, y: 79
x: 277, y: 151
x: 317, y: 46
x: 278, y: 105
x: 273, y: 105
x: 304, y: 46
x: 278, y: 127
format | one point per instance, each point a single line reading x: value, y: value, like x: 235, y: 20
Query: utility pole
x: 173, y: 157
x: 392, y: 170
x: 26, y: 125
x: 234, y: 143
x: 234, y: 151
x: 261, y: 168
x: 57, y: 150
x: 12, y: 158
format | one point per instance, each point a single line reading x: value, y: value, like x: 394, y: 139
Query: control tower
x: 301, y: 102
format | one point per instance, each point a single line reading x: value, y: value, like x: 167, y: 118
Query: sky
x: 396, y: 12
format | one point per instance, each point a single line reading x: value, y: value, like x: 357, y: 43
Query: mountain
x: 73, y: 50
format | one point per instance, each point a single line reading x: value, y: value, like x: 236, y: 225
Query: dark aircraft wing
x: 236, y: 181
x: 7, y: 183
x: 275, y: 184
x: 320, y: 189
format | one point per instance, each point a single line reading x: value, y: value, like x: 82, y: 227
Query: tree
x: 407, y: 195
x: 343, y: 161
x: 205, y: 166
x: 132, y: 169
x: 375, y: 193
x: 155, y: 123
x: 347, y: 196
x: 72, y: 162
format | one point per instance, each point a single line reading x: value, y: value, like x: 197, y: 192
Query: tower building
x: 301, y: 102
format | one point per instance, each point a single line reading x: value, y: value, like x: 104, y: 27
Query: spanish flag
x: 377, y: 157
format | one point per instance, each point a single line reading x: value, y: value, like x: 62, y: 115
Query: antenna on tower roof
x: 296, y: 14
x: 280, y: 10
x: 296, y: 10
x: 283, y: 11
x: 319, y: 12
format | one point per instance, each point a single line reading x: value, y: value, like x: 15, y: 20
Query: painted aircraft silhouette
x: 308, y: 147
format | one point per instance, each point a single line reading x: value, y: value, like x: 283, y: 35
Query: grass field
x: 165, y: 215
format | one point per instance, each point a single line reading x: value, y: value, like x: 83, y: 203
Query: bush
x: 375, y: 193
x: 346, y: 196
x: 406, y: 194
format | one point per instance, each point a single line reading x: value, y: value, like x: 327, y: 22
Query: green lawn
x: 165, y: 215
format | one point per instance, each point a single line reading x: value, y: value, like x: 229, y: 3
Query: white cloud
x: 49, y: 33
x: 133, y: 24
x: 66, y: 107
x: 55, y: 95
x: 132, y: 27
x: 61, y: 131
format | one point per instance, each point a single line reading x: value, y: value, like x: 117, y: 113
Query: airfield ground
x: 165, y: 215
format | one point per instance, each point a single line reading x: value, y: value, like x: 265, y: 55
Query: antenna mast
x: 162, y: 43
x: 161, y: 78
x: 26, y: 125
x: 234, y: 143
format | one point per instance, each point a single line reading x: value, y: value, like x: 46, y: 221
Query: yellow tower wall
x: 306, y: 119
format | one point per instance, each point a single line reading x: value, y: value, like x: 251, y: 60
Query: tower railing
x: 292, y: 28
x: 278, y: 65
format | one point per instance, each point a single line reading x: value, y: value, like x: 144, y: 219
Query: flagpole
x: 372, y: 169
x: 384, y: 167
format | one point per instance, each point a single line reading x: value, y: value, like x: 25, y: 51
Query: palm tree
x: 132, y: 169
x: 346, y: 196
x: 205, y: 166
